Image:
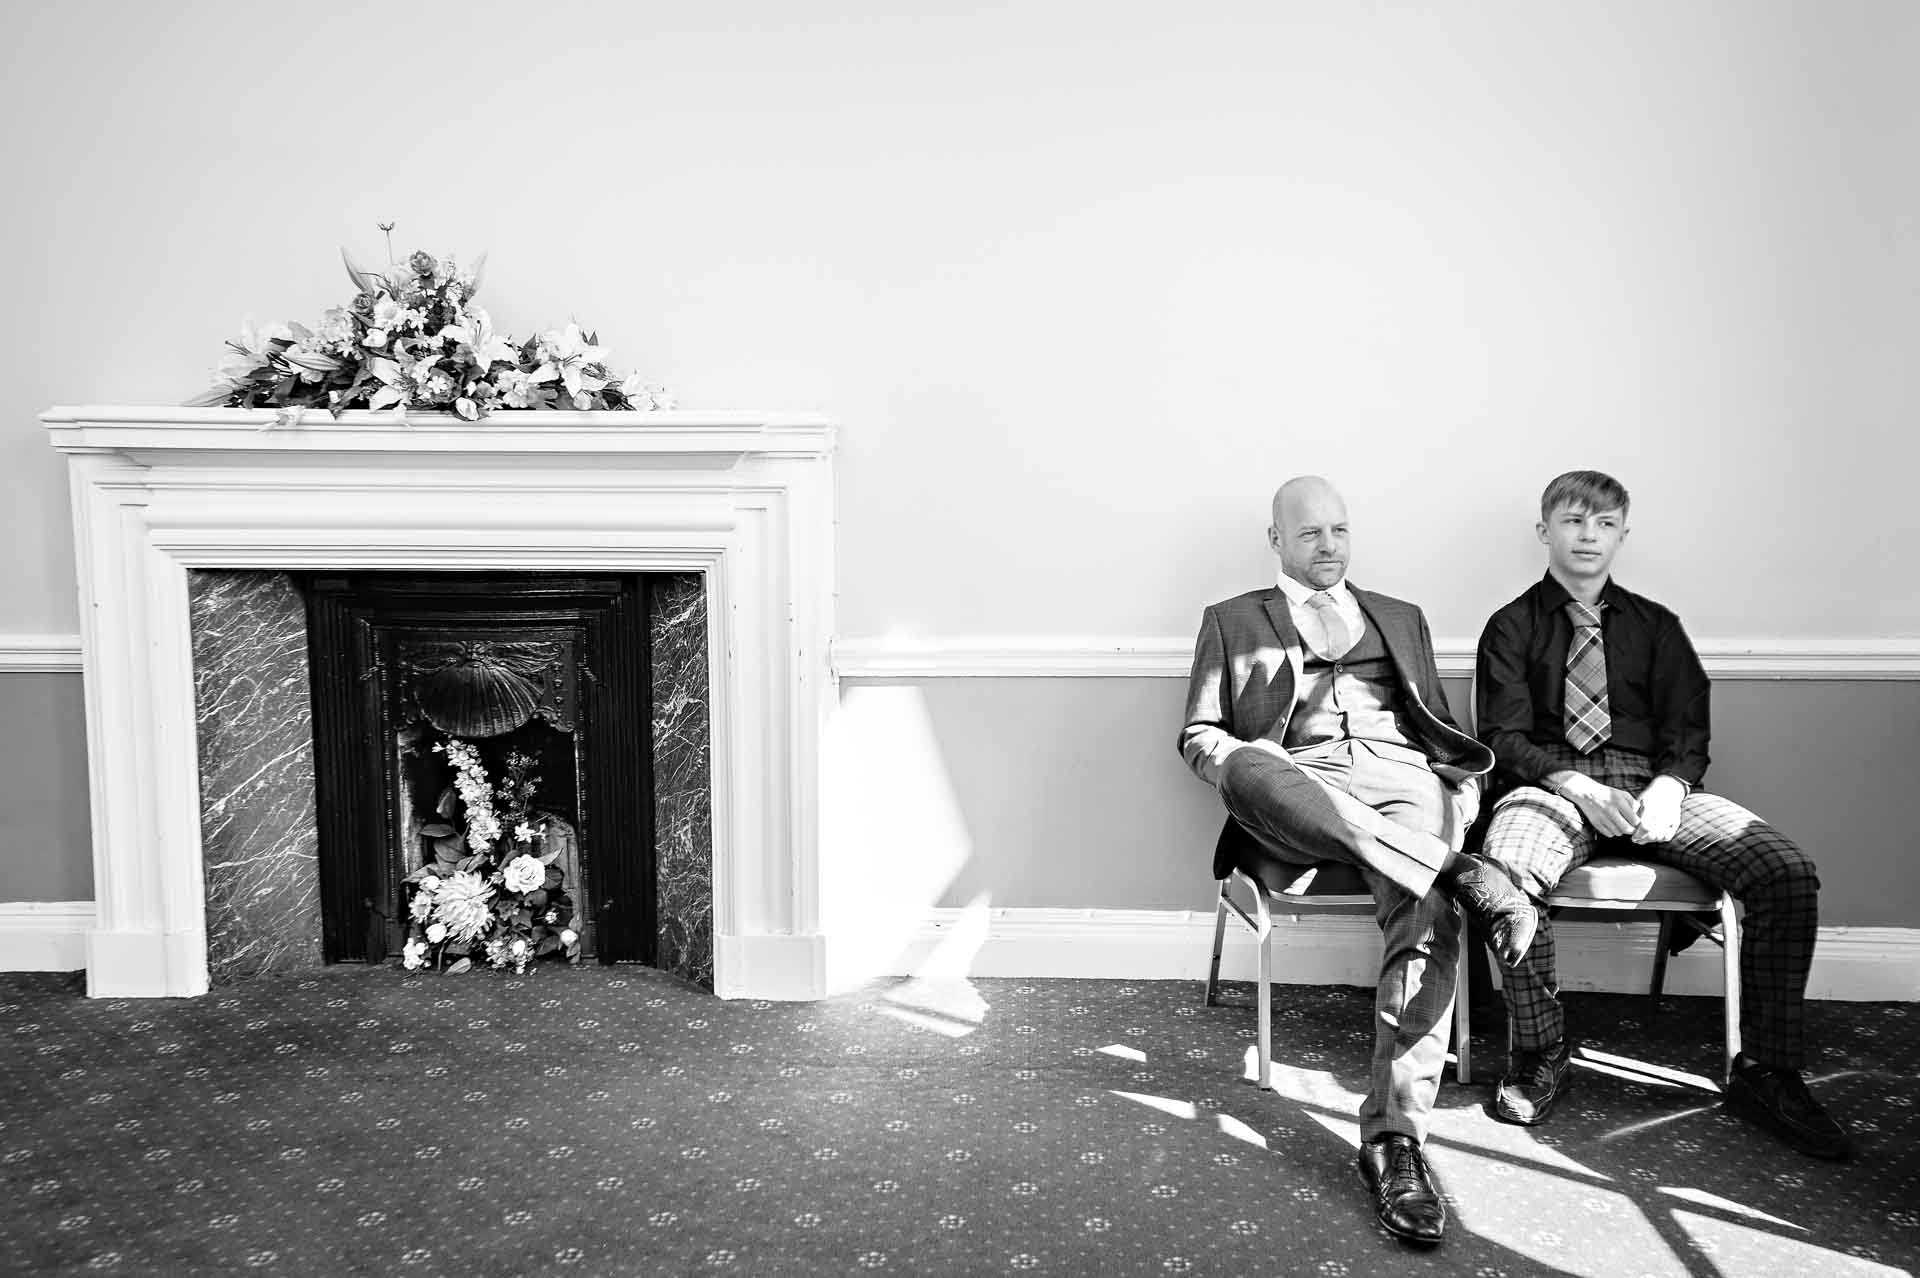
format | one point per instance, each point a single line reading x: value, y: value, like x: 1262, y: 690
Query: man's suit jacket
x: 1247, y: 673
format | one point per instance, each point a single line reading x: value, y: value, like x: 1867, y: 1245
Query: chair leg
x: 1660, y: 949
x: 1463, y: 1009
x: 1219, y: 942
x: 1263, y: 937
x: 1730, y: 958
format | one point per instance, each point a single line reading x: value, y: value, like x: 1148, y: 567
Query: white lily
x: 486, y: 346
x: 565, y: 354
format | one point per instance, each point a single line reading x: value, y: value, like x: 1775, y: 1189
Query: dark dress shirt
x: 1657, y: 693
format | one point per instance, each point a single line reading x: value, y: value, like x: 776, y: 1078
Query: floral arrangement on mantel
x: 411, y: 338
x: 487, y: 891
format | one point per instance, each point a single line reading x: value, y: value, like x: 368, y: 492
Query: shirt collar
x: 1554, y: 595
x: 1298, y: 593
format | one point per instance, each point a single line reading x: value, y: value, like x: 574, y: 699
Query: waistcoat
x: 1357, y: 696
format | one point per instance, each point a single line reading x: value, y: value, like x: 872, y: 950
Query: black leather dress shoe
x: 1533, y: 1082
x: 1404, y: 1199
x: 1778, y: 1100
x: 1490, y: 898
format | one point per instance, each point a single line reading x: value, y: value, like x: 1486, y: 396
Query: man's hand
x: 1610, y: 811
x: 1659, y: 810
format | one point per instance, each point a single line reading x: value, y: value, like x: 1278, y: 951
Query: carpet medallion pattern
x: 623, y: 1121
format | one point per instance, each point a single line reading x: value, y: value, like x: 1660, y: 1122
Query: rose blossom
x: 525, y: 873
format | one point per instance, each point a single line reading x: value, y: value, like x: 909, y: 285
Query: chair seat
x: 1328, y: 878
x: 1617, y: 881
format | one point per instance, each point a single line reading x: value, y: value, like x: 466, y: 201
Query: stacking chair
x: 1329, y: 888
x: 1617, y: 883
x: 1614, y: 884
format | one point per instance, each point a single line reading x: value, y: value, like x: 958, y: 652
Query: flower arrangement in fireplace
x: 412, y: 338
x: 491, y: 890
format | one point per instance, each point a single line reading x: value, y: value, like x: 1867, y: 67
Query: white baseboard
x: 44, y: 936
x: 1870, y: 964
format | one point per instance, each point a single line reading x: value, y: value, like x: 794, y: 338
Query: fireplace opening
x: 549, y: 667
x: 327, y: 703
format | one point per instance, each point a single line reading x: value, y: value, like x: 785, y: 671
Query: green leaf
x: 460, y: 967
x: 550, y: 857
x: 553, y: 877
x: 437, y: 830
x: 448, y: 802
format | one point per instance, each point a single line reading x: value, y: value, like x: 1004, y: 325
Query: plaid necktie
x: 1586, y: 717
x: 1339, y: 638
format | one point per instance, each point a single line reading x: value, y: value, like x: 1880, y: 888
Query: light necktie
x: 1339, y: 638
x: 1587, y: 719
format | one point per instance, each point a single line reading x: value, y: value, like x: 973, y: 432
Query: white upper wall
x: 1082, y: 282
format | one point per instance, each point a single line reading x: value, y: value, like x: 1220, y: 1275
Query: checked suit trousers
x: 1537, y: 836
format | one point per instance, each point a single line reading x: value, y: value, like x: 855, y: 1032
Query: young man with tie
x: 1596, y: 709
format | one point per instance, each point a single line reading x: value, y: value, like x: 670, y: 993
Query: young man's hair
x: 1583, y: 491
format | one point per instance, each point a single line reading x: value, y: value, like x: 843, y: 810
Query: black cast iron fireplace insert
x: 556, y: 666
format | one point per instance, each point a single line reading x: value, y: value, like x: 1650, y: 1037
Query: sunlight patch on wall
x: 894, y: 838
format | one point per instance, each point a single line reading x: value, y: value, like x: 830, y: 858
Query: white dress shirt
x: 1306, y: 617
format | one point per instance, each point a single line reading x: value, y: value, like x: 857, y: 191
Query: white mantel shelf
x: 671, y: 436
x: 744, y: 498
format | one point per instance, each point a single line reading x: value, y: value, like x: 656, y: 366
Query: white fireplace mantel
x: 747, y: 499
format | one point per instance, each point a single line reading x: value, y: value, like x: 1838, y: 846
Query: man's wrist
x: 1681, y: 788
x: 1557, y: 782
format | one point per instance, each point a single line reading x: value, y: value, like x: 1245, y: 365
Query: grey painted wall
x: 1068, y: 792
x: 1071, y: 794
x: 45, y: 851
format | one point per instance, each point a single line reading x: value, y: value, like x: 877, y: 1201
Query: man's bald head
x: 1309, y: 531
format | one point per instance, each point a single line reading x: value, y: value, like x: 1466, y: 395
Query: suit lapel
x: 1282, y: 617
x: 1394, y: 634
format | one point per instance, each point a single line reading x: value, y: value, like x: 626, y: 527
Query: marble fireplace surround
x: 745, y: 499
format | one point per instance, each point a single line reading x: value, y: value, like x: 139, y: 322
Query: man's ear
x: 1273, y: 538
x: 1540, y: 531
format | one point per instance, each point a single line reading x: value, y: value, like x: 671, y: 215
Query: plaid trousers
x: 1537, y: 837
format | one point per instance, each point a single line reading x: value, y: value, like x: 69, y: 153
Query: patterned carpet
x: 620, y: 1121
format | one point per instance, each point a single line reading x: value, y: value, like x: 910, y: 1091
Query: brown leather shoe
x: 1404, y: 1199
x: 1490, y: 898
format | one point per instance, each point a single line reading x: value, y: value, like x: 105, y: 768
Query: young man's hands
x: 1610, y: 811
x: 1651, y: 818
x: 1659, y: 810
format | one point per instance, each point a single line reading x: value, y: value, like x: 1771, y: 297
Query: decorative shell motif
x: 476, y: 695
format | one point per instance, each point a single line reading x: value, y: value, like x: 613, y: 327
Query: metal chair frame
x: 1672, y: 909
x: 1261, y: 920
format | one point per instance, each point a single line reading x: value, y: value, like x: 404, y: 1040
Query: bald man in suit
x: 1315, y: 709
